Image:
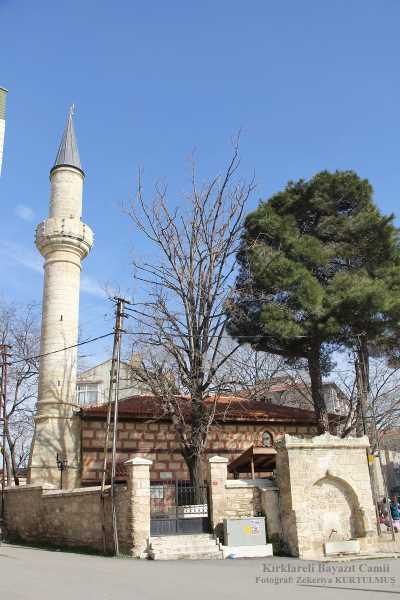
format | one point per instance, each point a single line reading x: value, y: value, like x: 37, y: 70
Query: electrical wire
x: 137, y: 333
x: 100, y: 337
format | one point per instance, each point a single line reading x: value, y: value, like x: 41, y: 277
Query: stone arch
x: 338, y: 515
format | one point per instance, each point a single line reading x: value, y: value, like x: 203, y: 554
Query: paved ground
x: 33, y: 574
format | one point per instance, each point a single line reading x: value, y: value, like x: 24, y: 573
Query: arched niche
x: 336, y: 510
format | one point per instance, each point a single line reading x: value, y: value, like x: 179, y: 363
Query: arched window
x: 267, y: 439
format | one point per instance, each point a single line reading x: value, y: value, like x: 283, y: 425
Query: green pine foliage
x: 319, y: 264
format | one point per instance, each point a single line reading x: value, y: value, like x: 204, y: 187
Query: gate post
x: 139, y: 503
x: 218, y: 474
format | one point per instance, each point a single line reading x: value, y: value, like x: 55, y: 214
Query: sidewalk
x: 34, y: 574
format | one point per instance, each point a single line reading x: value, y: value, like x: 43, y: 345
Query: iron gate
x: 177, y: 507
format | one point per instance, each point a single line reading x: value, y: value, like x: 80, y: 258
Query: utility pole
x: 112, y: 419
x: 4, y: 356
x: 362, y: 382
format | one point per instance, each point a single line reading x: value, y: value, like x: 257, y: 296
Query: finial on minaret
x: 68, y: 154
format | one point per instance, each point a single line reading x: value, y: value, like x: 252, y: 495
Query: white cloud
x: 91, y: 286
x: 24, y: 212
x: 12, y: 252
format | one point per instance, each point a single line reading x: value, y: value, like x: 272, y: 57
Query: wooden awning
x: 254, y: 460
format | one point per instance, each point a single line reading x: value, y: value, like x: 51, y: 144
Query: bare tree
x: 19, y: 328
x: 250, y: 373
x: 382, y: 410
x: 384, y: 396
x: 182, y: 318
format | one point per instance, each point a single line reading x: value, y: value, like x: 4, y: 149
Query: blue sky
x: 312, y: 85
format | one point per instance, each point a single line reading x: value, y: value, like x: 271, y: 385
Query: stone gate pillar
x: 217, y: 474
x: 139, y: 503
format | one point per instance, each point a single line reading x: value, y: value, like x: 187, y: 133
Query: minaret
x: 64, y: 241
x: 3, y: 98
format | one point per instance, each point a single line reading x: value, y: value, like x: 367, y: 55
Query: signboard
x: 252, y: 528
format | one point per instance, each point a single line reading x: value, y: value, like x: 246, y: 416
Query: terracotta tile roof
x: 228, y: 408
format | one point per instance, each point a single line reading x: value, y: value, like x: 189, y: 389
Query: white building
x: 93, y: 384
x: 286, y: 392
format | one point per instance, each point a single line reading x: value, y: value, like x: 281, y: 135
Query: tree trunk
x: 11, y: 447
x: 195, y: 467
x: 314, y: 368
x: 360, y: 415
x: 7, y: 466
x: 194, y: 463
x: 362, y: 381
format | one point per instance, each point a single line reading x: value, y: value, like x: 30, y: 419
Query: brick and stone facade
x: 155, y: 438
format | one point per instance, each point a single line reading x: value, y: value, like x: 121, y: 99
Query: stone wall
x: 270, y: 508
x: 232, y: 499
x: 158, y: 442
x: 325, y: 492
x: 43, y: 515
x: 243, y: 499
x: 38, y: 514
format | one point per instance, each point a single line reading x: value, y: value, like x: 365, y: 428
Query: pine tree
x: 318, y: 265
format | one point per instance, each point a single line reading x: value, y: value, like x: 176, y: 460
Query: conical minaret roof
x: 68, y: 154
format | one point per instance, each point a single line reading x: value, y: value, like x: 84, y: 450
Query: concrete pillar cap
x: 138, y: 461
x: 218, y: 459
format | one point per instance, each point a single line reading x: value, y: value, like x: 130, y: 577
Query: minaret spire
x: 68, y: 154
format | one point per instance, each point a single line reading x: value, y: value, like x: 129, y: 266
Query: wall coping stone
x: 325, y: 440
x: 138, y: 461
x: 31, y: 487
x: 250, y: 483
x: 218, y: 459
x: 75, y: 491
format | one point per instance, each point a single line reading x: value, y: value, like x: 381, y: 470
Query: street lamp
x: 62, y: 465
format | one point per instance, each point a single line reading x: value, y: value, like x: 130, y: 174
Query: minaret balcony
x: 64, y: 234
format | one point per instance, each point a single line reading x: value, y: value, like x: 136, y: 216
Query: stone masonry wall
x: 232, y: 499
x: 242, y: 501
x: 41, y: 514
x: 157, y: 441
x: 69, y: 518
x: 325, y: 492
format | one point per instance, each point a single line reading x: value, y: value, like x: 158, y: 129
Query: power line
x: 136, y: 333
x: 100, y: 337
x: 210, y: 337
